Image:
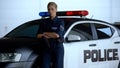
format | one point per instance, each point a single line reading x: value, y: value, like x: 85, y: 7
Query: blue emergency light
x: 44, y: 14
x: 66, y: 13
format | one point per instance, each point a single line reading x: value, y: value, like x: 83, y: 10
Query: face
x: 52, y: 10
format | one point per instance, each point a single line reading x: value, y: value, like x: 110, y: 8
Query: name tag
x: 54, y: 28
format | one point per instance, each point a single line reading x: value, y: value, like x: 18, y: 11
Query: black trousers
x: 52, y: 54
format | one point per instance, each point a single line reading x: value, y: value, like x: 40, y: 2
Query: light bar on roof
x: 44, y: 14
x: 66, y: 13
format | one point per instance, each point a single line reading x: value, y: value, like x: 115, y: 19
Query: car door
x: 108, y: 44
x: 79, y: 45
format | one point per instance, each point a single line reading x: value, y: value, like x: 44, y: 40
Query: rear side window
x: 118, y: 26
x: 103, y: 31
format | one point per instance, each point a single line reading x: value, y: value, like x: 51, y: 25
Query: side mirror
x: 73, y: 38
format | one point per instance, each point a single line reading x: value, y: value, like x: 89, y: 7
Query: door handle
x: 117, y: 42
x: 92, y: 45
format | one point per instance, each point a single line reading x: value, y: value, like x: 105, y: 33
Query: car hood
x: 13, y: 43
x: 7, y: 40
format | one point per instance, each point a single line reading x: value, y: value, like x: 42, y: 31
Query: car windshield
x: 25, y: 30
x: 30, y: 29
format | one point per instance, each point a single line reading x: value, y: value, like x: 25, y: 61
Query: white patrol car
x: 88, y: 43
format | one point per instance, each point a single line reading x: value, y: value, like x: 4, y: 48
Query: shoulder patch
x: 61, y: 28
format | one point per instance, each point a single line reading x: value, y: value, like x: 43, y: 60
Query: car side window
x: 83, y: 31
x: 103, y: 31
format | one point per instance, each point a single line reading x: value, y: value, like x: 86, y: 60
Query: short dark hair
x: 52, y: 3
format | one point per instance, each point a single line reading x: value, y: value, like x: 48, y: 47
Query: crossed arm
x: 48, y: 35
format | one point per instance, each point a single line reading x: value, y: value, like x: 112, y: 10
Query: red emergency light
x: 66, y: 13
x: 77, y: 13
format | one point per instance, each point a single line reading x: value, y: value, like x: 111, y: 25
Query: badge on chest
x: 54, y: 28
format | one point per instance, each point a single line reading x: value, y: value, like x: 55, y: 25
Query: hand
x: 42, y: 35
x: 51, y: 35
x: 46, y: 35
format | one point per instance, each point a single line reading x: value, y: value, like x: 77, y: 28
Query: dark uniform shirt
x: 56, y: 25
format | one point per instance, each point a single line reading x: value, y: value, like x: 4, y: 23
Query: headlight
x: 10, y: 57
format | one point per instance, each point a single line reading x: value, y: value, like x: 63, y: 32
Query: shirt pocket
x: 54, y: 28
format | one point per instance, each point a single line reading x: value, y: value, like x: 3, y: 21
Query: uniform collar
x: 55, y: 19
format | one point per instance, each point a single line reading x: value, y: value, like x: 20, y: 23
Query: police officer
x: 52, y: 30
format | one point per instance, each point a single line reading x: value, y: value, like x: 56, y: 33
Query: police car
x: 88, y: 43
